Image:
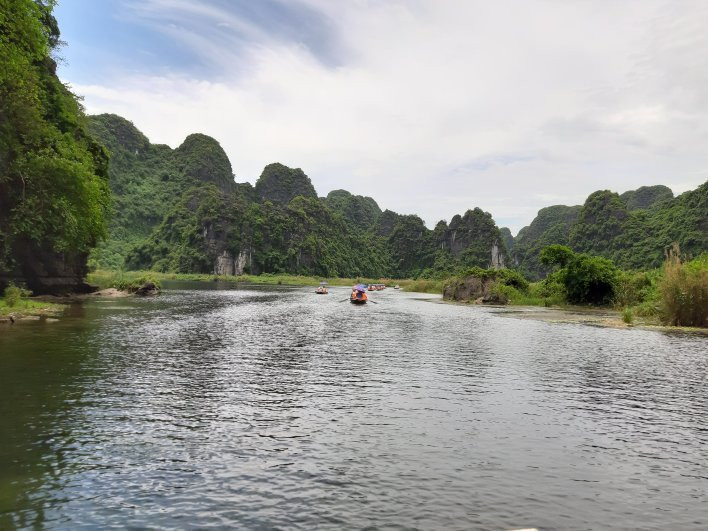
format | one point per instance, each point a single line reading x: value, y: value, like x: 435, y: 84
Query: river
x: 273, y: 407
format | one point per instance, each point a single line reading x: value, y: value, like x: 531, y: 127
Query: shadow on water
x: 43, y: 367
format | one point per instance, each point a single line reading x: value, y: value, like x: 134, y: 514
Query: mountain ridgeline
x: 181, y: 211
x: 633, y: 229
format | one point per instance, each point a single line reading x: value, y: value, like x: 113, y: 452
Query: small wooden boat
x: 322, y: 290
x: 358, y: 295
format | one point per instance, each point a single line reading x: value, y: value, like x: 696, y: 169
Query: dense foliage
x: 587, y: 279
x: 148, y: 181
x: 359, y: 211
x: 181, y: 211
x: 684, y: 292
x: 551, y: 226
x: 646, y: 196
x: 633, y: 229
x: 53, y: 176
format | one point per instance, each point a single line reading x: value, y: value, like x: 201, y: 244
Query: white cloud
x: 438, y: 107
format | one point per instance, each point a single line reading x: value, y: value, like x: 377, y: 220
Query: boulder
x: 472, y: 288
x: 149, y: 288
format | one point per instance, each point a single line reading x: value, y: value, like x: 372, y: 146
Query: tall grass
x: 684, y: 293
x: 116, y: 279
x: 424, y: 285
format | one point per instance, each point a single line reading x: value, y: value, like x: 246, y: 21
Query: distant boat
x: 358, y: 295
x: 396, y: 287
x: 322, y: 289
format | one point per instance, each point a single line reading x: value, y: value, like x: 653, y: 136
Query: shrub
x: 555, y: 254
x: 133, y: 285
x: 13, y: 294
x: 684, y: 292
x: 589, y: 279
x: 550, y: 290
x: 586, y: 279
x: 627, y: 315
x: 631, y: 288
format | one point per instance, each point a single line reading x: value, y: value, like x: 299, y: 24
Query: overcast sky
x: 429, y: 106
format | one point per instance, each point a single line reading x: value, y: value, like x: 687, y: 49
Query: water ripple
x: 276, y: 408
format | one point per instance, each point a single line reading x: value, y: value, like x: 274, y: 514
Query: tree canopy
x: 53, y: 175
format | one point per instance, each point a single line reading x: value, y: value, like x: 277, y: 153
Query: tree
x: 587, y: 279
x: 558, y: 255
x: 53, y: 176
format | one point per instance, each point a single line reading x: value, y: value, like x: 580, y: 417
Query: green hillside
x: 632, y: 229
x: 181, y: 211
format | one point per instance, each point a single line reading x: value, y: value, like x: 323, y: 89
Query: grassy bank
x: 116, y: 279
x: 27, y: 307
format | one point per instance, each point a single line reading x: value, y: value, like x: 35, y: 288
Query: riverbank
x: 599, y: 317
x: 106, y: 279
x: 28, y: 309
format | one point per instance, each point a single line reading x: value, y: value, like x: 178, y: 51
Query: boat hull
x: 357, y: 301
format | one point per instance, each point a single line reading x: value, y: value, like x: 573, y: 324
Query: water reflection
x: 41, y: 387
x: 273, y: 407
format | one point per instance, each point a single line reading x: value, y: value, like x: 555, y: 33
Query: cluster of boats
x: 358, y: 295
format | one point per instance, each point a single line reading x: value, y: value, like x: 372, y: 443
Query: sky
x: 431, y: 107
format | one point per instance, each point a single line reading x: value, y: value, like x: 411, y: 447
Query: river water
x: 273, y: 407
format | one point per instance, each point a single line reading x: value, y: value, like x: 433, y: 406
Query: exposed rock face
x: 497, y: 257
x: 472, y: 237
x: 48, y: 273
x: 507, y: 238
x: 281, y: 184
x: 226, y: 264
x: 480, y: 290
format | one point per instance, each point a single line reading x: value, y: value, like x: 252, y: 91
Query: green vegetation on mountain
x: 180, y: 211
x: 359, y: 211
x: 209, y: 227
x: 633, y: 229
x: 281, y: 184
x: 148, y: 180
x: 53, y: 175
x: 646, y: 196
x: 550, y: 226
x: 507, y: 238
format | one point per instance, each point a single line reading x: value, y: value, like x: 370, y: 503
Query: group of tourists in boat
x: 358, y: 295
x: 322, y: 289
